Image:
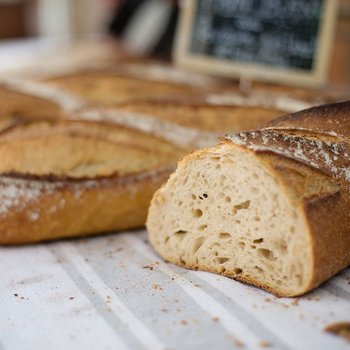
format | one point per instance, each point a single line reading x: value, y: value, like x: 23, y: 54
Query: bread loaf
x: 83, y: 153
x: 107, y: 87
x: 268, y: 207
x: 71, y: 178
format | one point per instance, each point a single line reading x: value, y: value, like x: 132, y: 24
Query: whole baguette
x: 269, y: 207
x: 72, y: 178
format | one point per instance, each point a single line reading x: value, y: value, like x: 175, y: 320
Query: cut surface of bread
x: 66, y: 178
x: 267, y: 207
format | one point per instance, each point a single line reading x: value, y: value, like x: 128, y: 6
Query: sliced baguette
x: 268, y: 207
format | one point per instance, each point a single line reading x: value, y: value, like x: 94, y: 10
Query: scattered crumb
x: 164, y: 310
x: 71, y: 298
x: 267, y: 300
x: 216, y: 319
x: 16, y: 295
x: 156, y: 286
x: 340, y: 329
x: 108, y: 297
x: 119, y: 249
x: 184, y: 322
x: 265, y: 344
x: 148, y: 267
x: 197, y: 285
x: 295, y: 302
x: 239, y: 344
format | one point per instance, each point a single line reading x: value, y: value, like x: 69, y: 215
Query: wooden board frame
x: 317, y: 77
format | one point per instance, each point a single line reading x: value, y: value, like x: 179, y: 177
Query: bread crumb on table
x: 265, y: 344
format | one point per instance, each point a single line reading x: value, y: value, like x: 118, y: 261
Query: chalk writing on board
x: 277, y: 33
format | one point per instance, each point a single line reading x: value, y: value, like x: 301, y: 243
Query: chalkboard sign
x: 278, y: 40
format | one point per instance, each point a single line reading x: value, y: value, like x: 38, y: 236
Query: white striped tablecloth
x: 114, y: 292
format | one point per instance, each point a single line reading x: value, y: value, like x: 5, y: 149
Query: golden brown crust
x: 44, y: 197
x: 17, y: 107
x: 198, y: 114
x: 331, y: 119
x: 58, y: 209
x: 110, y: 87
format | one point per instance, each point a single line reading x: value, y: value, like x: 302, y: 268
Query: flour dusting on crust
x: 65, y: 100
x: 329, y: 155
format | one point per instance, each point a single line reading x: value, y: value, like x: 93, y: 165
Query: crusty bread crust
x: 70, y: 178
x: 58, y: 209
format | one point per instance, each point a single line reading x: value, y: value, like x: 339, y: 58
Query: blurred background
x: 32, y: 28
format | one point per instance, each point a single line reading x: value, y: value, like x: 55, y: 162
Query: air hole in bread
x: 193, y: 196
x: 237, y: 271
x: 258, y: 269
x: 215, y: 158
x: 227, y: 199
x: 281, y: 246
x: 202, y: 227
x: 265, y: 253
x: 258, y: 241
x: 224, y: 235
x: 203, y: 196
x: 185, y: 180
x: 180, y: 234
x: 241, y: 244
x: 197, y: 244
x: 222, y: 260
x: 243, y: 205
x: 197, y: 213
